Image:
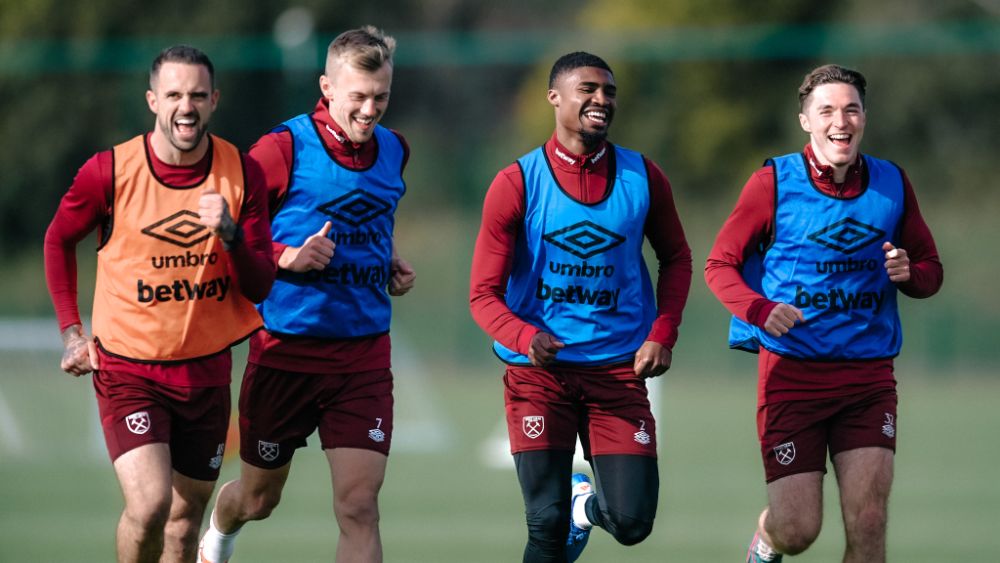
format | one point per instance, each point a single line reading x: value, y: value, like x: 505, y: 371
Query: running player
x: 809, y: 263
x: 184, y: 248
x: 334, y: 178
x: 559, y: 281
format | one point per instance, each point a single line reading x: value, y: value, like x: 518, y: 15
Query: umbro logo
x: 355, y: 208
x: 584, y: 239
x: 376, y: 434
x: 183, y: 228
x: 889, y: 426
x: 847, y: 235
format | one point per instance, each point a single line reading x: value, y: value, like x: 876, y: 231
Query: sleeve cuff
x: 759, y: 310
x: 237, y: 240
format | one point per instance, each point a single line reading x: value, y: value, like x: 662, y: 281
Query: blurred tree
x: 707, y: 89
x: 73, y: 77
x: 710, y: 120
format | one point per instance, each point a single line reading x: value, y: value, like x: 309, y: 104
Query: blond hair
x: 366, y: 48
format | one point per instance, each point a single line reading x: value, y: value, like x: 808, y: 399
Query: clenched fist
x: 213, y: 211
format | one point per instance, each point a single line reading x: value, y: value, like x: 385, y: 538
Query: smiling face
x: 584, y: 99
x: 358, y: 98
x: 834, y: 117
x: 182, y: 98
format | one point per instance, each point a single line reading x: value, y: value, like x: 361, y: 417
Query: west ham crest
x: 138, y: 422
x: 533, y: 426
x: 268, y: 450
x: 785, y: 453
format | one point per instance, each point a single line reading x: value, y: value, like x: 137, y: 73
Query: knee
x: 548, y: 526
x: 866, y: 522
x: 551, y: 517
x: 794, y: 537
x: 357, y: 507
x: 183, y: 529
x: 149, y: 515
x: 259, y: 505
x: 627, y: 530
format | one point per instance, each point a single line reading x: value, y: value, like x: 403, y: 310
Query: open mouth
x: 840, y: 139
x: 598, y: 117
x: 186, y: 126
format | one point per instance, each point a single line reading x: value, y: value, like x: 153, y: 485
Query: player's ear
x: 553, y: 97
x: 804, y: 122
x: 151, y: 100
x: 326, y: 87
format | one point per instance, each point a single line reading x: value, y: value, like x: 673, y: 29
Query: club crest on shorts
x: 138, y: 422
x: 533, y: 426
x: 889, y: 426
x: 785, y: 453
x: 268, y: 451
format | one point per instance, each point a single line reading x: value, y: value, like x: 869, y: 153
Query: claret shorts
x: 608, y: 407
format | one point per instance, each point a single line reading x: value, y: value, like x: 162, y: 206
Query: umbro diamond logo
x: 183, y: 228
x: 642, y: 436
x: 355, y: 208
x: 216, y: 461
x: 889, y: 426
x: 847, y: 235
x: 584, y: 239
x: 376, y: 434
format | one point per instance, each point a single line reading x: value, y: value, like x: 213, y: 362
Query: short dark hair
x: 181, y: 54
x: 829, y: 74
x: 575, y: 60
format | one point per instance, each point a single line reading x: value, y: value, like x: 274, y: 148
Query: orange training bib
x: 164, y: 292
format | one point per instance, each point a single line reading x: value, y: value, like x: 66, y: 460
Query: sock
x: 764, y: 551
x: 217, y: 547
x: 580, y: 512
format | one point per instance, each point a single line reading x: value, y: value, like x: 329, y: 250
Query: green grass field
x: 59, y: 500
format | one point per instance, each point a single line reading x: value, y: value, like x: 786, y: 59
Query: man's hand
x: 543, y: 349
x: 782, y: 319
x: 652, y: 359
x: 213, y: 211
x: 80, y: 352
x: 403, y: 277
x: 314, y: 254
x: 897, y: 263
